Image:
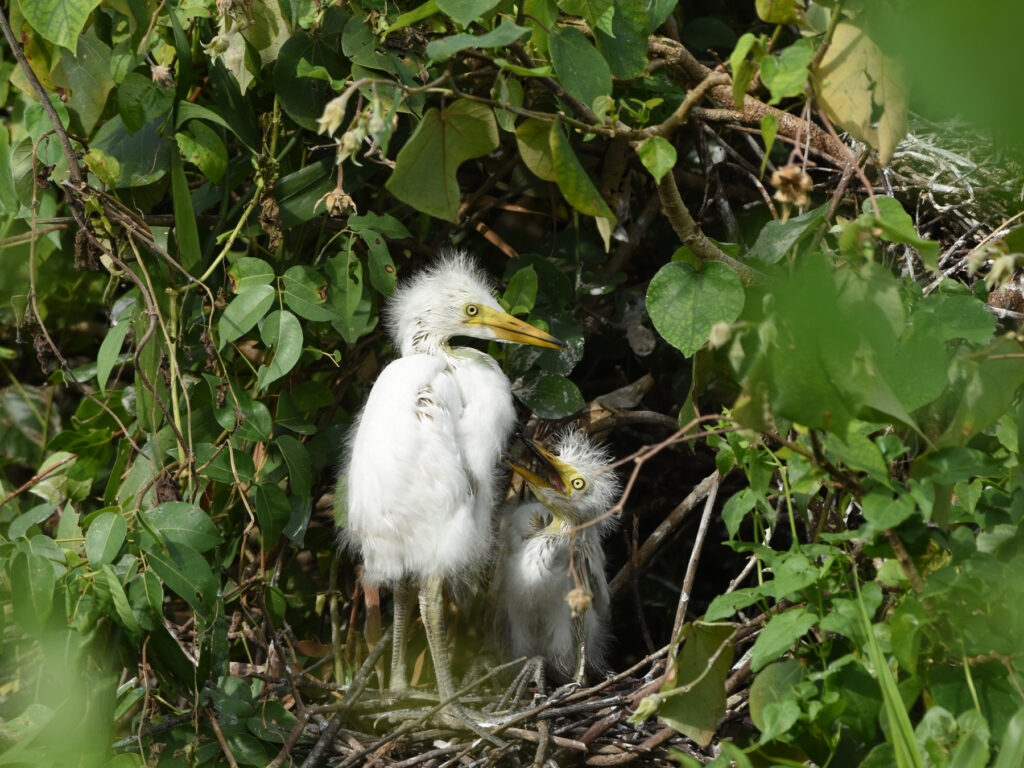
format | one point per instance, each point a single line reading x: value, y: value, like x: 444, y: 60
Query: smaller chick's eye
x: 471, y: 310
x: 578, y: 483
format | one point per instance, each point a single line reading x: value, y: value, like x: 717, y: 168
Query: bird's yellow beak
x: 509, y: 328
x: 557, y: 474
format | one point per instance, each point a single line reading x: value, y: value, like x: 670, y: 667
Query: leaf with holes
x: 862, y: 90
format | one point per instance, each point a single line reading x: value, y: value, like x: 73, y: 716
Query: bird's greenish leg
x: 432, y: 612
x: 399, y: 674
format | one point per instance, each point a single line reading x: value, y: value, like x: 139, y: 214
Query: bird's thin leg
x: 579, y: 632
x: 432, y: 612
x: 399, y: 676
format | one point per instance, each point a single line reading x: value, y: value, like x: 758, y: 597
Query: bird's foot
x: 532, y: 670
x: 454, y: 716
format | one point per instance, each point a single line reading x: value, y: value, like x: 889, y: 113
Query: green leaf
x: 858, y: 452
x: 272, y: 511
x: 385, y: 224
x: 185, y: 229
x: 591, y: 10
x: 34, y: 581
x: 244, y: 311
x: 685, y: 303
x: 697, y: 713
x: 303, y: 98
x: 296, y: 456
x: 381, y: 267
x: 59, y: 21
x: 345, y: 283
x: 104, y: 538
x: 954, y: 464
x: 777, y: 236
x: 419, y: 13
x: 304, y: 291
x: 785, y: 75
x: 953, y: 317
x: 147, y: 598
x: 24, y: 522
x: 550, y: 396
x: 1011, y: 750
x: 425, y: 169
x: 773, y: 685
x: 280, y: 330
x: 143, y: 156
x: 202, y: 147
x: 247, y: 272
x: 625, y: 49
x: 533, y: 138
x: 898, y: 227
x: 187, y: 573
x: 769, y: 130
x: 8, y: 197
x: 140, y: 100
x: 107, y: 581
x: 742, y: 69
x: 109, y: 350
x: 183, y: 523
x: 521, y: 293
x: 658, y: 156
x: 503, y: 35
x: 779, y: 11
x: 779, y: 634
x: 87, y: 76
x: 464, y: 12
x: 572, y: 179
x: 581, y: 69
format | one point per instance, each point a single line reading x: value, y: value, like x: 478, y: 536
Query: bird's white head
x: 451, y: 298
x: 573, y: 480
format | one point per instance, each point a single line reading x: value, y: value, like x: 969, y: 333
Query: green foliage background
x: 189, y: 321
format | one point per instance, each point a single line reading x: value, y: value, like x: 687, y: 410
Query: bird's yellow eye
x: 471, y: 310
x: 578, y: 483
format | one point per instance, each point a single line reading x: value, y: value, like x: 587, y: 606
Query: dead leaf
x: 862, y: 90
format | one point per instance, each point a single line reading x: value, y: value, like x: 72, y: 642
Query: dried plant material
x: 862, y: 90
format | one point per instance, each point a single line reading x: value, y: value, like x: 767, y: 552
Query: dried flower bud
x: 720, y: 335
x: 161, y: 75
x: 579, y: 601
x: 338, y: 203
x: 224, y: 7
x: 792, y: 185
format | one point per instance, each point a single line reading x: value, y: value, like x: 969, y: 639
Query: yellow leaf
x: 862, y: 91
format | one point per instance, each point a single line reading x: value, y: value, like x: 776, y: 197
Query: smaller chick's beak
x: 554, y: 470
x: 509, y: 328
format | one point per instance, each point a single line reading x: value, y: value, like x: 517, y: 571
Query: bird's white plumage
x: 420, y: 503
x: 533, y: 575
x: 421, y: 476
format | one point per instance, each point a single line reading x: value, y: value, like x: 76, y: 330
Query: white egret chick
x: 420, y: 482
x: 542, y: 610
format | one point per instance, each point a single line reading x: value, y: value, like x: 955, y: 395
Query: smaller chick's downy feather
x: 551, y: 588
